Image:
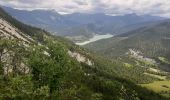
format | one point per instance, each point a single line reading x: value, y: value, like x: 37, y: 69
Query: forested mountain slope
x: 35, y: 65
x: 148, y: 42
x: 147, y: 47
x: 152, y: 41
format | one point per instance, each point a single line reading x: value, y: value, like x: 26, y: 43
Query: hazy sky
x: 113, y: 7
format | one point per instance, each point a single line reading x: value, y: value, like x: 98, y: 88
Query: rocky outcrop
x: 80, y: 58
x: 138, y: 55
x: 9, y: 31
x: 10, y: 62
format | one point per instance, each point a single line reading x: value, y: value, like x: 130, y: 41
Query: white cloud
x: 155, y: 7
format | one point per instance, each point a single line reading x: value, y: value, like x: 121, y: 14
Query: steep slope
x: 147, y: 47
x: 35, y: 65
x: 150, y: 42
x: 78, y: 25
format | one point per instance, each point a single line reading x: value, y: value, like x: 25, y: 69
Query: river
x: 95, y: 38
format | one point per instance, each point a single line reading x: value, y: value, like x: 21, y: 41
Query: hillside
x: 146, y: 47
x: 151, y: 41
x: 35, y: 65
x: 81, y: 26
x: 149, y: 45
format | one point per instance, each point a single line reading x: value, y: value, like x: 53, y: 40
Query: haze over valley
x: 80, y: 27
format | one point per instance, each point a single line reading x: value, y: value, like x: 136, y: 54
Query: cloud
x: 154, y: 7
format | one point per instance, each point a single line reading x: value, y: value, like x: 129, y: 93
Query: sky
x: 111, y: 7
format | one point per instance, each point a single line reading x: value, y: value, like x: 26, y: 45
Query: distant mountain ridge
x: 80, y: 24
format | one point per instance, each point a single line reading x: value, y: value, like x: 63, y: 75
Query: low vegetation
x: 161, y: 87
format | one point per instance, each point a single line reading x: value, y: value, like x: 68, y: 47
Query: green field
x: 164, y: 60
x: 161, y: 87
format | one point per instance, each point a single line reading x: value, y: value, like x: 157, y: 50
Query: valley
x: 46, y: 55
x: 36, y: 65
x: 145, y: 48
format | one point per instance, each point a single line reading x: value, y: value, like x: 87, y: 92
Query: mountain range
x: 81, y: 26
